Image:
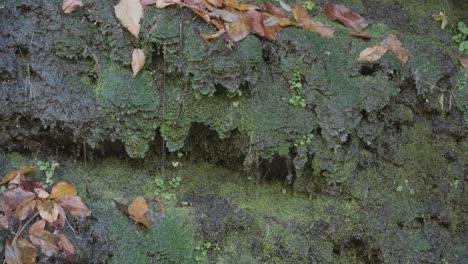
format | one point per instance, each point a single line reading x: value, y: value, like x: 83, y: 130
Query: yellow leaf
x: 129, y: 13
x: 10, y: 176
x: 61, y: 189
x: 137, y: 209
x: 441, y: 17
x: 213, y: 36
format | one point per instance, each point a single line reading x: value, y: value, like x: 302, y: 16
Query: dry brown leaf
x: 138, y: 61
x: 69, y: 6
x: 272, y: 26
x: 231, y: 3
x: 46, y: 241
x: 302, y: 18
x: 392, y: 43
x: 10, y: 176
x: 13, y: 197
x: 227, y: 16
x: 364, y: 36
x: 41, y: 193
x: 216, y: 3
x: 213, y: 36
x: 372, y: 54
x: 137, y: 210
x: 64, y: 243
x: 238, y: 30
x: 300, y: 15
x: 37, y: 227
x: 25, y: 208
x: 23, y: 252
x: 60, y: 222
x: 255, y: 21
x: 129, y: 13
x: 463, y: 62
x: 345, y: 16
x: 48, y: 210
x: 61, y: 189
x: 74, y: 205
x: 273, y: 10
x: 246, y: 7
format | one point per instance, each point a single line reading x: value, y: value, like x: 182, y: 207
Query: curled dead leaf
x: 345, y: 16
x: 69, y: 6
x: 213, y: 36
x: 138, y: 61
x: 372, y: 54
x: 61, y: 189
x: 48, y: 210
x: 392, y: 43
x: 463, y: 62
x: 10, y: 176
x: 25, y: 208
x: 129, y: 13
x: 137, y: 210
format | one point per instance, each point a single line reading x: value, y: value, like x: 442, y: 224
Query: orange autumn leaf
x: 364, y: 36
x: 25, y: 208
x: 238, y: 30
x: 21, y: 252
x: 137, y: 210
x: 372, y: 54
x: 246, y: 7
x: 345, y: 16
x: 302, y: 18
x: 37, y: 227
x: 463, y: 62
x: 272, y: 26
x: 300, y: 15
x: 48, y: 210
x: 69, y: 6
x: 213, y: 36
x: 392, y: 43
x: 273, y: 10
x: 61, y: 189
x: 74, y: 205
x: 10, y: 176
x: 138, y: 61
x: 46, y: 241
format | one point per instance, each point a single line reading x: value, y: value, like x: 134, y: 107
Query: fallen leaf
x: 246, y: 7
x: 345, y: 16
x: 302, y: 18
x: 238, y: 30
x: 13, y: 197
x: 48, y: 210
x: 129, y: 13
x: 37, y: 227
x: 273, y: 10
x: 46, y: 241
x: 69, y: 6
x: 145, y: 3
x: 61, y: 189
x: 463, y: 62
x: 213, y: 36
x: 285, y: 6
x: 64, y: 243
x: 216, y: 3
x: 165, y: 3
x: 137, y: 210
x: 23, y: 252
x: 372, y: 54
x: 231, y: 3
x: 25, y: 208
x: 41, y: 193
x: 74, y: 205
x: 364, y: 36
x: 226, y: 16
x: 10, y: 176
x: 441, y: 17
x: 138, y: 61
x: 271, y: 26
x: 255, y: 21
x: 16, y: 181
x: 392, y: 43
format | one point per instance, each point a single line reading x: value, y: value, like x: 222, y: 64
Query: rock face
x: 365, y: 131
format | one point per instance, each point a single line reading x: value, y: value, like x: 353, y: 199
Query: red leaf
x: 137, y: 210
x: 25, y: 208
x: 23, y: 252
x: 46, y: 241
x: 74, y: 205
x: 273, y: 10
x: 345, y: 16
x: 463, y: 62
x: 392, y: 43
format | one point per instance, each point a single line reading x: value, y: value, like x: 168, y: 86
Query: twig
x: 21, y: 228
x: 74, y: 232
